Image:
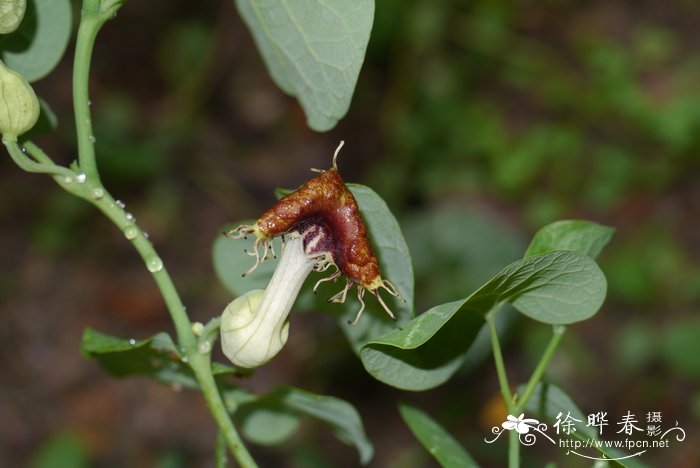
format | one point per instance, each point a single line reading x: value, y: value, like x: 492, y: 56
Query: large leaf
x: 271, y: 418
x: 155, y: 357
x: 548, y: 401
x: 230, y: 261
x: 585, y: 237
x: 557, y: 287
x: 436, y: 440
x: 313, y: 49
x: 35, y: 48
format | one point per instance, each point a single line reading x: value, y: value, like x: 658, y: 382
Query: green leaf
x: 283, y: 403
x: 155, y: 357
x: 438, y: 442
x: 557, y: 287
x: 384, y: 232
x: 424, y: 353
x: 548, y: 401
x: 267, y: 421
x: 585, y: 237
x: 313, y: 49
x: 36, y: 47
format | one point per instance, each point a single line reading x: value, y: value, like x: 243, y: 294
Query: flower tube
x: 254, y: 327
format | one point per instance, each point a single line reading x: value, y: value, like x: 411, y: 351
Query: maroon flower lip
x: 325, y: 213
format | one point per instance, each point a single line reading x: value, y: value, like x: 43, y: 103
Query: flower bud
x: 19, y: 106
x: 254, y: 327
x: 11, y: 15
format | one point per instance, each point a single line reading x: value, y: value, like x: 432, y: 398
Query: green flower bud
x: 19, y: 106
x: 254, y: 327
x: 11, y: 14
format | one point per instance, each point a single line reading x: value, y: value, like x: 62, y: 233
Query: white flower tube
x: 254, y: 327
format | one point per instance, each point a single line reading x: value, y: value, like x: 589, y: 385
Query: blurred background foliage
x: 478, y: 121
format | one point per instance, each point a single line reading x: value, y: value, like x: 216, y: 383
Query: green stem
x: 513, y: 442
x: 202, y: 370
x: 91, y: 189
x: 557, y: 334
x: 45, y: 166
x: 498, y: 358
x: 221, y: 457
x: 90, y: 24
x: 513, y: 449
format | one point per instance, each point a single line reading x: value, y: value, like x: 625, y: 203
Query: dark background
x: 478, y: 122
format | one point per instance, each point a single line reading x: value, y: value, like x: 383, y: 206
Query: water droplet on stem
x: 97, y: 193
x: 154, y: 264
x: 130, y: 232
x: 204, y: 347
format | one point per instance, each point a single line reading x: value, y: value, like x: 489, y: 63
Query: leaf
x: 548, y: 401
x: 556, y: 287
x: 424, y: 353
x: 438, y: 442
x: 585, y: 237
x: 266, y: 422
x: 36, y: 47
x: 313, y: 49
x: 155, y: 357
x: 285, y: 402
x: 230, y: 261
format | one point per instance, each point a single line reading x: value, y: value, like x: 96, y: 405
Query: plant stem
x: 202, y: 370
x: 90, y: 23
x: 39, y: 166
x: 513, y: 449
x: 91, y: 189
x: 513, y: 442
x: 557, y: 334
x: 221, y: 457
x: 498, y: 358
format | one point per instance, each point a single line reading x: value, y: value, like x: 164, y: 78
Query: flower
x: 254, y: 327
x: 520, y: 424
x: 325, y: 213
